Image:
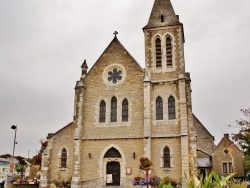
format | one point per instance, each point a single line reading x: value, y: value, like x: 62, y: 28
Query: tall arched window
x: 159, y: 108
x: 125, y: 110
x: 169, y: 51
x: 113, y: 112
x: 166, y: 157
x: 64, y: 158
x: 102, y: 112
x: 158, y: 52
x: 171, y: 108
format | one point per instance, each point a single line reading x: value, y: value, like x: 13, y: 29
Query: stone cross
x: 115, y: 33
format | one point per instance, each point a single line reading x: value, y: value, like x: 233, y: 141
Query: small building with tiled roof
x: 227, y: 158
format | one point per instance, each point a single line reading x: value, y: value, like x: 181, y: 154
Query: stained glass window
x: 64, y: 158
x: 171, y: 108
x: 159, y: 108
x: 125, y: 110
x: 113, y: 115
x: 102, y: 112
x: 114, y: 75
x: 166, y: 157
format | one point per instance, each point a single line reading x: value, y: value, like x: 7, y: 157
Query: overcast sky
x: 44, y: 42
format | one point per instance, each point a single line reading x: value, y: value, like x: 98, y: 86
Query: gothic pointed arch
x: 112, y: 153
x: 64, y: 158
x: 125, y: 110
x: 166, y: 157
x: 113, y: 110
x: 159, y: 108
x: 102, y: 112
x: 171, y: 108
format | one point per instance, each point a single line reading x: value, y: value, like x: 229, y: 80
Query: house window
x: 171, y: 108
x: 158, y: 52
x: 113, y: 115
x: 166, y: 157
x: 159, y: 108
x: 102, y: 112
x: 169, y: 51
x: 64, y: 158
x: 224, y: 165
x: 125, y: 110
x: 230, y: 167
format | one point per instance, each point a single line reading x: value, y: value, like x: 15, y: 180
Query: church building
x: 123, y: 112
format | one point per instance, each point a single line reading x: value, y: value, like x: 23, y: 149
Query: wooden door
x: 114, y: 169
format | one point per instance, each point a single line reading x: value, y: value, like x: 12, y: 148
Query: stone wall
x: 63, y: 139
x: 205, y: 141
x: 227, y: 152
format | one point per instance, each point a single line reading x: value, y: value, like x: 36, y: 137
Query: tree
x: 243, y: 137
x: 37, y: 159
x: 20, y: 166
x: 6, y: 156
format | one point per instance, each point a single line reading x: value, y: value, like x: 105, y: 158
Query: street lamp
x: 15, y: 128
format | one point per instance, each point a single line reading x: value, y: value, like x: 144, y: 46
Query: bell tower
x: 167, y: 90
x: 164, y: 40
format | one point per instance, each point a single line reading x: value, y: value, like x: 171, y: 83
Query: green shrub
x: 214, y: 181
x: 166, y: 182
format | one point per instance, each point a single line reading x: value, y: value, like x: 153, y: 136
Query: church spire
x: 84, y: 67
x: 162, y: 15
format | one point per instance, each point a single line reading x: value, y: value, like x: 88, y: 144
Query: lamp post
x: 14, y: 127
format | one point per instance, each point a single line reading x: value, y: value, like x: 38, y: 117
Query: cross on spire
x: 115, y: 33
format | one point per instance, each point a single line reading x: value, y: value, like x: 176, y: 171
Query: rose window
x: 114, y: 75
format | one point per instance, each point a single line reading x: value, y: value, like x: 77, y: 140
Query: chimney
x: 226, y: 135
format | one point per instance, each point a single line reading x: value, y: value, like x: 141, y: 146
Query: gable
x: 117, y: 75
x: 226, y: 144
x: 205, y: 141
x: 66, y: 130
x: 115, y: 53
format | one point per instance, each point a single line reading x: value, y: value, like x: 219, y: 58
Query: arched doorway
x: 113, y: 167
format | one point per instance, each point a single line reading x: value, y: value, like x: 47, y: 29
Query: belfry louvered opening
x: 169, y: 55
x: 158, y: 52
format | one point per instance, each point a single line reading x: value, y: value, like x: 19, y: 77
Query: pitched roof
x: 115, y: 40
x: 226, y: 137
x: 200, y: 124
x: 162, y: 15
x: 52, y: 134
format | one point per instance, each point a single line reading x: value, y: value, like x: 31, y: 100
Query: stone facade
x: 228, y: 158
x: 98, y: 143
x: 205, y: 141
x: 205, y: 147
